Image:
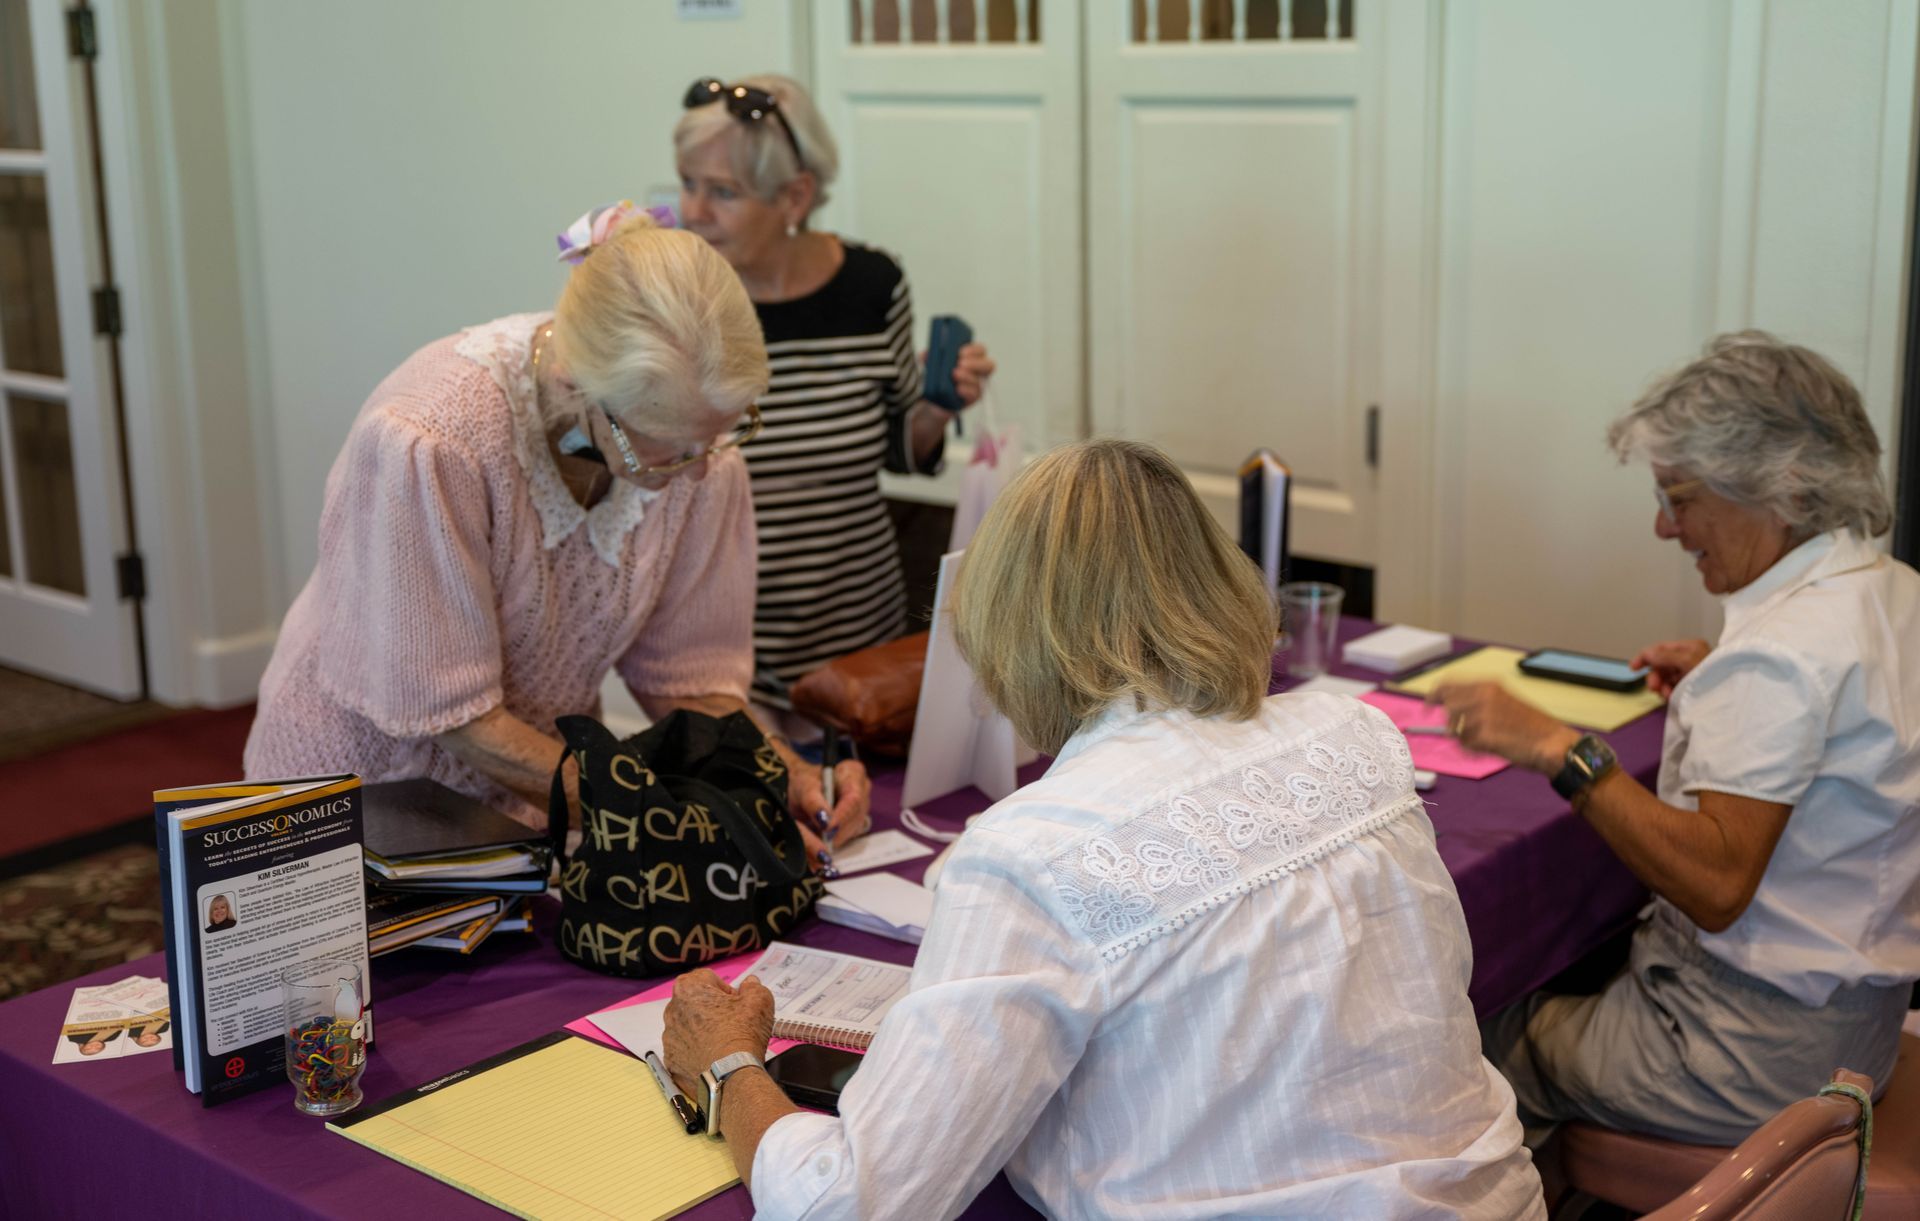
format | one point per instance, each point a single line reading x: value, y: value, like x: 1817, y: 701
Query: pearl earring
x: 793, y: 230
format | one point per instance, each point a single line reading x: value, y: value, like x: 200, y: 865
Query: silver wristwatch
x: 716, y: 1076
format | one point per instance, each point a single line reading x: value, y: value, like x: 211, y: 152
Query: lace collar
x: 501, y: 348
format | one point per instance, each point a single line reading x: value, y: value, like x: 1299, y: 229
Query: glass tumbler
x: 1310, y: 613
x: 326, y: 1025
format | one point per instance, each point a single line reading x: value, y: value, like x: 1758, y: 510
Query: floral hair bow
x: 599, y: 224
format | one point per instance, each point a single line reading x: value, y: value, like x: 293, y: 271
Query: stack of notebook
x: 396, y: 919
x: 444, y: 870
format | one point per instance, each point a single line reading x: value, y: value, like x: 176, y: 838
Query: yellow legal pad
x: 556, y: 1128
x: 1587, y: 707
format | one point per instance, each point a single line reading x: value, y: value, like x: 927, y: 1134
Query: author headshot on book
x: 521, y: 508
x: 219, y: 914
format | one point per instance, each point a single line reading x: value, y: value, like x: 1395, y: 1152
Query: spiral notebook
x: 820, y: 997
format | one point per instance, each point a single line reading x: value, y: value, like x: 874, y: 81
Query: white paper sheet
x: 638, y: 1028
x: 877, y: 850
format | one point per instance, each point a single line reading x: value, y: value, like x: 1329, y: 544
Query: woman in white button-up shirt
x: 1210, y: 965
x: 1783, y: 845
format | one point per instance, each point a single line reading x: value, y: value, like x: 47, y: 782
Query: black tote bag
x: 687, y: 853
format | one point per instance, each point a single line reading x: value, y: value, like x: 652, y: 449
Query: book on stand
x: 255, y: 876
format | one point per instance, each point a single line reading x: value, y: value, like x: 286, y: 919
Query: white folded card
x: 878, y: 849
x: 1393, y: 649
x: 882, y: 903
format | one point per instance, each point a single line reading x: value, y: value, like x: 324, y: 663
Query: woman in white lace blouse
x: 1210, y: 965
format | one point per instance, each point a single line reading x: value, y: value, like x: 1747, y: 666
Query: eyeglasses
x: 745, y: 103
x: 733, y: 440
x: 1665, y: 494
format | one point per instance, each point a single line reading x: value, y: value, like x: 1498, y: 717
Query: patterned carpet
x: 77, y: 918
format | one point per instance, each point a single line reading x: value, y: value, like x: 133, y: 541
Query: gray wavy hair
x: 762, y: 159
x: 1768, y: 424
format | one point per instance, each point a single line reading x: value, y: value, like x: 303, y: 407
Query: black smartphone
x: 813, y: 1075
x: 1607, y: 673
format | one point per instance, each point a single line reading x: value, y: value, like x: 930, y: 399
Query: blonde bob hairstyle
x: 762, y: 159
x: 1098, y: 574
x: 655, y: 327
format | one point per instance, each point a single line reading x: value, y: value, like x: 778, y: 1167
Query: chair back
x: 1801, y: 1165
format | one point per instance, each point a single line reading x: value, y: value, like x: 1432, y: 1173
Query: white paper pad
x: 1393, y: 649
x: 877, y: 850
x: 899, y: 902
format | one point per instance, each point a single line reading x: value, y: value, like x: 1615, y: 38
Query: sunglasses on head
x: 745, y: 103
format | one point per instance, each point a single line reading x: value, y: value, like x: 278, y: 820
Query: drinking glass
x: 1310, y: 613
x: 326, y: 1027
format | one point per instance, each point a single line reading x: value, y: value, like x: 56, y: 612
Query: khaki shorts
x: 1683, y: 1046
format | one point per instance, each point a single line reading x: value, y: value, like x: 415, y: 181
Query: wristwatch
x: 716, y: 1076
x: 1587, y: 761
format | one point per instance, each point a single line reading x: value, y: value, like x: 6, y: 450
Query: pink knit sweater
x: 456, y: 575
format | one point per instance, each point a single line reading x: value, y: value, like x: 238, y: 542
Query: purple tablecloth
x: 124, y: 1136
x: 1538, y: 885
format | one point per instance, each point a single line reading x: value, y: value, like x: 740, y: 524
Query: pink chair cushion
x: 1644, y: 1172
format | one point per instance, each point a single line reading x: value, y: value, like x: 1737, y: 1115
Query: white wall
x: 1620, y: 182
x: 309, y: 192
x: 410, y: 164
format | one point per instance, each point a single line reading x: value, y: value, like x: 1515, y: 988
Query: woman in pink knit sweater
x: 521, y: 507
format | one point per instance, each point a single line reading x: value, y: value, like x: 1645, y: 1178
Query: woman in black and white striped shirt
x: 845, y: 401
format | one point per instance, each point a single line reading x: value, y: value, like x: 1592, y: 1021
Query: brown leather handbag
x: 870, y: 696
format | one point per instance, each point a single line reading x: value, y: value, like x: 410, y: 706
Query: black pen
x: 682, y: 1105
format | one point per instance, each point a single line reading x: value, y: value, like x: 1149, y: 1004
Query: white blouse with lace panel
x: 1202, y: 968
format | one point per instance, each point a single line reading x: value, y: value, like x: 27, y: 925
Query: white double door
x: 1180, y: 240
x: 63, y: 523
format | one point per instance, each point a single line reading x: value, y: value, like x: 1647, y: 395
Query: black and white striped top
x: 844, y: 379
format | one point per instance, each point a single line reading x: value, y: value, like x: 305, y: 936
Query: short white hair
x: 762, y: 158
x: 654, y: 325
x: 1768, y: 424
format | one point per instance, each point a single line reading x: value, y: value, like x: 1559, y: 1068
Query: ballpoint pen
x: 1432, y: 731
x: 829, y: 759
x: 689, y: 1114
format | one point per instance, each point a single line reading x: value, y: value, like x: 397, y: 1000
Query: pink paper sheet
x: 727, y: 968
x: 1434, y: 752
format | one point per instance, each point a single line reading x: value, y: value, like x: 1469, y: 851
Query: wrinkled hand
x: 1670, y: 661
x: 708, y: 1019
x: 971, y: 371
x: 1487, y: 717
x: 847, y: 821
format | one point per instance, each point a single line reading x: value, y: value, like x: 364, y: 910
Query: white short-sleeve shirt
x: 1811, y: 699
x: 1201, y: 969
